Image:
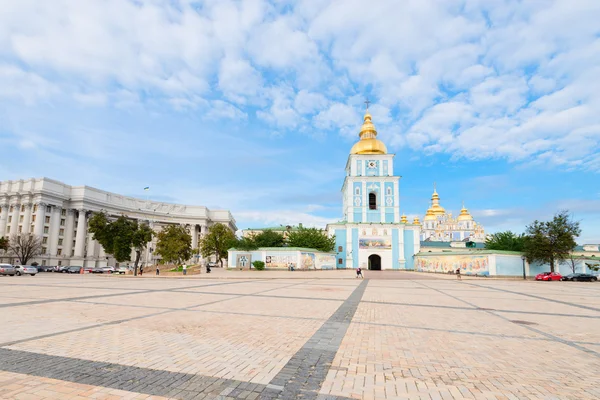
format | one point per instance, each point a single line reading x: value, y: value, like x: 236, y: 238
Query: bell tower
x: 371, y: 192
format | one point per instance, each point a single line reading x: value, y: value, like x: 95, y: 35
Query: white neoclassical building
x: 59, y: 213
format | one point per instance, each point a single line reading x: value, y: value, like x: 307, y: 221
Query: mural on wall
x: 468, y: 264
x: 279, y: 260
x: 375, y: 243
x: 307, y: 260
x: 326, y: 261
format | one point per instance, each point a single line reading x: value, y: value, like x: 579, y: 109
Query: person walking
x: 157, y: 271
x: 141, y: 270
x: 184, y: 269
x: 458, y: 274
x: 359, y: 273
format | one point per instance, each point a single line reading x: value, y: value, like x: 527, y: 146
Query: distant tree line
x: 549, y: 242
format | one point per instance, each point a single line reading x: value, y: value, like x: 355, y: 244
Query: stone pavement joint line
x: 98, y: 296
x: 548, y: 335
x: 537, y: 297
x: 306, y: 371
x: 120, y: 321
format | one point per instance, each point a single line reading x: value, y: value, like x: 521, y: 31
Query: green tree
x: 551, y: 241
x: 174, y: 244
x: 120, y: 236
x: 505, y: 241
x: 311, y: 238
x: 3, y: 243
x: 245, y: 243
x: 269, y: 238
x: 217, y: 241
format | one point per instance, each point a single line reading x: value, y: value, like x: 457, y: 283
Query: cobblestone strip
x: 174, y: 385
x: 538, y: 331
x: 304, y: 374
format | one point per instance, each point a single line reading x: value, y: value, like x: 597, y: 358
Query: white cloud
x: 475, y: 79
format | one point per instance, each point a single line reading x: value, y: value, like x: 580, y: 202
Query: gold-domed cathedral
x: 373, y: 234
x: 441, y: 226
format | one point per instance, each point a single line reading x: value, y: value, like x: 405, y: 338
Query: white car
x: 109, y: 270
x: 121, y: 270
x: 25, y: 270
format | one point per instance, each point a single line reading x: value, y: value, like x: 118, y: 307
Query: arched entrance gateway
x: 374, y: 262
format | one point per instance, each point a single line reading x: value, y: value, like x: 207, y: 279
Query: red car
x: 548, y: 276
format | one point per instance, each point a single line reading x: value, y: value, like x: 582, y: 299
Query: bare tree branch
x: 25, y: 247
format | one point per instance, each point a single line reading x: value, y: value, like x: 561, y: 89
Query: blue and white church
x: 373, y: 234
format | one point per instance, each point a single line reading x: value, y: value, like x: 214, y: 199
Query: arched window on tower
x: 372, y: 201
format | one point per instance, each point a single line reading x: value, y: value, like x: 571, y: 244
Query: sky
x: 253, y: 106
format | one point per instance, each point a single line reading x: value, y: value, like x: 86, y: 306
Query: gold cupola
x: 404, y: 220
x: 435, y: 203
x: 368, y: 143
x: 429, y: 215
x: 464, y: 214
x: 416, y: 221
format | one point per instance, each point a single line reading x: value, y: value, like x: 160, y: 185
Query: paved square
x: 304, y: 335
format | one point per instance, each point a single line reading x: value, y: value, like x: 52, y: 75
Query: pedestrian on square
x: 359, y: 273
x: 157, y: 270
x: 458, y: 274
x: 141, y: 270
x: 184, y: 269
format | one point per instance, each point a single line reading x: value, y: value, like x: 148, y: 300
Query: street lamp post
x: 524, y: 275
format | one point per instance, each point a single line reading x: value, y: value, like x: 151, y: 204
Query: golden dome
x: 416, y: 221
x: 464, y: 214
x: 430, y: 215
x: 368, y: 143
x: 435, y: 206
x: 404, y: 220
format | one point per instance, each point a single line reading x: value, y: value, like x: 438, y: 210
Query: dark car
x: 73, y: 270
x: 62, y: 269
x: 97, y: 271
x: 580, y: 277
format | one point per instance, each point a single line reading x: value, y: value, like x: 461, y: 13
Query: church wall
x: 355, y: 248
x: 386, y: 258
x: 409, y: 249
x: 357, y: 215
x: 395, y: 255
x: 340, y: 241
x: 508, y: 265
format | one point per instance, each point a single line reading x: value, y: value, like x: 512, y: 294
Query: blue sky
x: 253, y: 106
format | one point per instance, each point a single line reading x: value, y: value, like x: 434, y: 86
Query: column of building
x: 54, y: 227
x: 3, y: 218
x: 80, y: 238
x: 14, y: 222
x: 68, y: 236
x: 194, y: 233
x: 27, y: 218
x: 40, y: 215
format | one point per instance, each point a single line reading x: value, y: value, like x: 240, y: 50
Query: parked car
x: 580, y: 277
x: 7, y: 269
x: 44, y: 268
x: 548, y: 276
x: 25, y: 270
x: 95, y: 270
x: 121, y: 270
x: 62, y: 269
x: 108, y: 270
x: 73, y: 270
